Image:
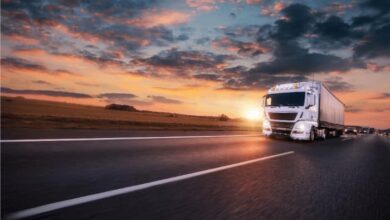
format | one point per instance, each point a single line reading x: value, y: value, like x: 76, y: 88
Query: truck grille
x: 281, y: 125
x: 282, y: 116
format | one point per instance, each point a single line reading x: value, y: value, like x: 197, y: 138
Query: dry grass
x: 20, y: 112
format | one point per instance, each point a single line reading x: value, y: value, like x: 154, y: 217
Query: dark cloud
x: 375, y: 43
x: 244, y: 31
x: 100, y: 58
x: 88, y: 20
x: 333, y: 28
x: 88, y: 84
x: 18, y: 63
x: 287, y: 66
x: 117, y: 95
x: 353, y: 109
x: 183, y: 63
x: 41, y: 82
x: 123, y: 98
x: 202, y: 41
x: 385, y: 95
x: 299, y: 20
x: 250, y: 81
x: 336, y: 83
x: 382, y: 6
x: 22, y: 64
x: 290, y: 58
x: 162, y: 99
x: 363, y: 20
x: 51, y: 93
x: 242, y: 48
x: 210, y: 77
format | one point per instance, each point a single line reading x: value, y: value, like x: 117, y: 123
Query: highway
x: 91, y: 174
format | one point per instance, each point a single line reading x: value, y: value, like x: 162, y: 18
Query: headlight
x: 301, y: 127
x: 266, y: 125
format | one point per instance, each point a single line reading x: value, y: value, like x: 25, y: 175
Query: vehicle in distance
x: 351, y: 130
x: 302, y: 111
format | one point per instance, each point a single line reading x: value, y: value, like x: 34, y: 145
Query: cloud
x: 243, y: 48
x: 290, y: 58
x: 297, y: 21
x: 253, y: 2
x: 243, y: 31
x: 336, y: 83
x: 248, y: 81
x: 117, y: 95
x: 153, y: 18
x: 41, y: 82
x: 353, y: 109
x: 162, y: 99
x: 202, y: 5
x: 382, y: 96
x: 183, y: 63
x: 123, y: 98
x: 209, y: 77
x: 339, y: 8
x: 51, y: 93
x: 333, y: 28
x: 20, y: 64
x: 273, y: 9
x: 125, y: 26
x: 375, y: 44
x: 202, y: 41
x: 382, y: 6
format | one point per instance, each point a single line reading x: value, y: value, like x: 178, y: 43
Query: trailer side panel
x: 331, y: 110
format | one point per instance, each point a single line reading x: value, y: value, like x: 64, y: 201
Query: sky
x: 201, y: 57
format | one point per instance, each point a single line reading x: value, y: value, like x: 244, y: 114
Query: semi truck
x: 302, y: 111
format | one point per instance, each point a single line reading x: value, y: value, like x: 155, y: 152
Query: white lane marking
x: 122, y: 138
x: 90, y: 198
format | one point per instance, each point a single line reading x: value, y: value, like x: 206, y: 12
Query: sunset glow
x: 253, y: 114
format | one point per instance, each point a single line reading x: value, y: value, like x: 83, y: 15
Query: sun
x: 253, y: 114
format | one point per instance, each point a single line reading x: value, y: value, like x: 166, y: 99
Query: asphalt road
x: 346, y: 178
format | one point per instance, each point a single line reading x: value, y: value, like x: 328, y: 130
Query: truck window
x: 285, y: 99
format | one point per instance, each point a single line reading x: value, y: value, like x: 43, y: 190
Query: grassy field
x: 20, y: 112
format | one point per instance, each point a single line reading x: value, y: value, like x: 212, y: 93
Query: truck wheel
x: 312, y: 135
x: 325, y: 135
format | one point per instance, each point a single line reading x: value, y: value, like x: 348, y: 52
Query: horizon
x: 195, y: 57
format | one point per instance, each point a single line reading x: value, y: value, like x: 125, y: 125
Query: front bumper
x: 288, y: 131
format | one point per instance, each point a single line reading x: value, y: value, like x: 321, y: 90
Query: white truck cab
x: 302, y: 111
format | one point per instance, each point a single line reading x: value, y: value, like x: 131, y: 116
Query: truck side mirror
x: 311, y: 101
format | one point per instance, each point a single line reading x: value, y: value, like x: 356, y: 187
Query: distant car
x: 350, y: 130
x: 366, y: 130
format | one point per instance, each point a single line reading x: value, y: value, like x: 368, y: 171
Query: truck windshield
x: 285, y: 99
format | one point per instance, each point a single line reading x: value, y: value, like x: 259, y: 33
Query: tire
x: 326, y: 134
x: 312, y: 136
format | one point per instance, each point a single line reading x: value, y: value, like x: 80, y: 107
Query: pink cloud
x: 153, y: 18
x: 273, y: 10
x: 202, y: 5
